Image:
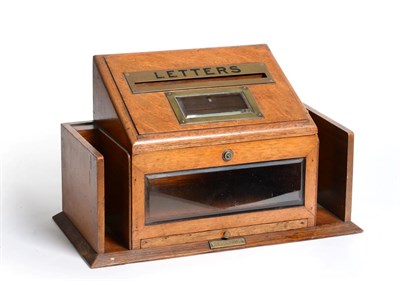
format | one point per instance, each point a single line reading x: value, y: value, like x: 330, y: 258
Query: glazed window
x: 224, y: 190
x: 213, y: 105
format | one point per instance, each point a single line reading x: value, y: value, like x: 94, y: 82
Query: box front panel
x: 262, y: 186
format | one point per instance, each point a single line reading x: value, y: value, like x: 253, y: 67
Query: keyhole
x: 227, y: 155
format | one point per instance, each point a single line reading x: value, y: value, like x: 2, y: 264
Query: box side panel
x: 104, y: 112
x: 335, y: 172
x: 117, y: 186
x: 83, y: 187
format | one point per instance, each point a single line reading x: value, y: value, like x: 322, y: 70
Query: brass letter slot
x: 198, y: 77
x: 223, y: 243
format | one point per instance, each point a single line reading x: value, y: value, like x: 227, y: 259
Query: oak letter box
x: 197, y: 151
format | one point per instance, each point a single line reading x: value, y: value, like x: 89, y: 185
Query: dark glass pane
x: 224, y: 190
x: 197, y: 105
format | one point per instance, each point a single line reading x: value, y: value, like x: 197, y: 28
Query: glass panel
x: 224, y: 190
x: 215, y: 104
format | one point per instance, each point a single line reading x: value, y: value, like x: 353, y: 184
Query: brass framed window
x: 213, y: 105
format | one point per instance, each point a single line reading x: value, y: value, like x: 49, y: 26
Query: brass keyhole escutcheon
x: 227, y: 155
x: 226, y: 235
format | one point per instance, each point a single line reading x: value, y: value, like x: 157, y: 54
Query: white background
x: 342, y: 58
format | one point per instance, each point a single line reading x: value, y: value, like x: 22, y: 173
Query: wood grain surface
x: 151, y: 113
x: 335, y: 171
x: 83, y: 186
x: 106, y: 162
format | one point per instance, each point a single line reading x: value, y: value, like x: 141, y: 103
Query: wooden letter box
x: 197, y: 151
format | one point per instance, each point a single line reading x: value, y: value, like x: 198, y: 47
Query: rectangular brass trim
x: 198, y: 77
x: 251, y: 111
x: 224, y: 243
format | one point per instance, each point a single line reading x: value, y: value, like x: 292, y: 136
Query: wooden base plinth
x: 327, y: 226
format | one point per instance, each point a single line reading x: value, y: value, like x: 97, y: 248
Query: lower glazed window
x: 224, y: 190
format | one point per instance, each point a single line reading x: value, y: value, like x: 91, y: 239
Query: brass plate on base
x: 217, y: 244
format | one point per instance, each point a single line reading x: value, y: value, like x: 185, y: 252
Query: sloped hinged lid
x: 177, y: 91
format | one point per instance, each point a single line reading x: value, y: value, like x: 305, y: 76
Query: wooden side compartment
x: 83, y: 186
x: 96, y: 186
x: 335, y: 171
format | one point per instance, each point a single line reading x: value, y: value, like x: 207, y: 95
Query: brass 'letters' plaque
x: 198, y: 77
x: 217, y: 244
